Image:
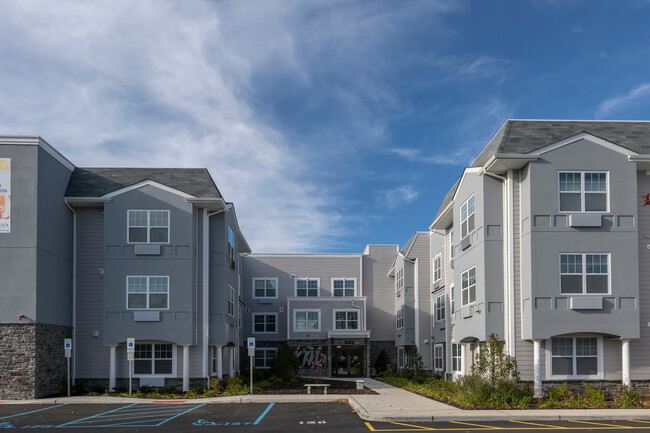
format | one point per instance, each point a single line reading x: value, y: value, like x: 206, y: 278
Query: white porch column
x: 231, y: 361
x: 537, y: 368
x: 625, y: 349
x: 111, y: 369
x: 186, y: 367
x: 220, y: 362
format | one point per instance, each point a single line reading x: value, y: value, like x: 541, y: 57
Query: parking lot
x: 168, y: 417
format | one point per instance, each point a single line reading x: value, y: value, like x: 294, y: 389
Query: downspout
x: 416, y: 283
x: 511, y: 262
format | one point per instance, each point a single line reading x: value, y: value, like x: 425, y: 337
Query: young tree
x: 493, y: 364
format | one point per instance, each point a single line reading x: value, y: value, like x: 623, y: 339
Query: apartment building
x: 411, y: 273
x: 336, y: 310
x: 100, y: 255
x: 542, y: 241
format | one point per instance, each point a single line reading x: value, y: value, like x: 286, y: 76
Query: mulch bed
x: 335, y: 387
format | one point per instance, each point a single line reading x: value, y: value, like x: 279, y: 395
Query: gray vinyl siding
x: 449, y: 282
x: 420, y: 251
x: 54, y: 256
x: 91, y: 356
x: 380, y: 291
x: 438, y: 246
x: 282, y: 267
x: 640, y: 348
x: 405, y: 299
x: 523, y: 348
x: 177, y: 324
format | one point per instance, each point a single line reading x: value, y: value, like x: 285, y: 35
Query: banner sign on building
x: 5, y: 195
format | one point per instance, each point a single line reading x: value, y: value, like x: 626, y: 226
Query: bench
x: 322, y: 385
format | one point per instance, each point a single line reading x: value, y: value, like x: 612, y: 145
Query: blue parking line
x: 182, y: 413
x: 32, y: 411
x: 263, y: 414
x: 83, y: 419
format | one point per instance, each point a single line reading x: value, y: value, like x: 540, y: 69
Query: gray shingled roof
x: 96, y: 182
x: 525, y: 136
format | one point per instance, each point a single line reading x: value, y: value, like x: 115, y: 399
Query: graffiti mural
x: 312, y: 357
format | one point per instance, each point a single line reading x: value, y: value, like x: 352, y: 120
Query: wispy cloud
x: 637, y: 95
x: 393, y: 198
x: 172, y: 83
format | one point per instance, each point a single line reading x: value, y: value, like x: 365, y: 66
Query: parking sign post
x: 251, y: 355
x: 67, y: 346
x: 130, y: 355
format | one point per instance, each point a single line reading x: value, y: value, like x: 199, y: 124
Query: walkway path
x: 395, y: 404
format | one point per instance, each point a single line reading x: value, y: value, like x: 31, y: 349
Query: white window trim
x: 147, y: 293
x: 442, y: 347
x: 461, y: 372
x: 582, y: 192
x: 277, y: 289
x: 466, y: 203
x: 346, y: 310
x: 307, y: 310
x: 174, y: 358
x: 400, y: 357
x: 169, y: 223
x: 399, y: 315
x: 584, y: 274
x: 399, y: 281
x: 344, y: 280
x: 438, y: 307
x: 452, y: 300
x: 451, y: 244
x: 549, y: 360
x: 264, y: 349
x: 461, y: 287
x: 264, y: 314
x: 307, y: 279
x: 433, y: 268
x: 231, y: 301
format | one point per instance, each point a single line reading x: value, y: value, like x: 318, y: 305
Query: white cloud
x: 637, y: 95
x: 174, y: 83
x: 396, y: 197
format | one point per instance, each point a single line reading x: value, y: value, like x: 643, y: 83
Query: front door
x: 348, y: 361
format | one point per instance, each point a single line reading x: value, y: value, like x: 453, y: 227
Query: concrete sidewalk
x: 390, y: 404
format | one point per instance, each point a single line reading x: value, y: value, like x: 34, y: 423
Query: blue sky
x: 329, y: 124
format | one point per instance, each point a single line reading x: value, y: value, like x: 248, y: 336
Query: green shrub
x: 593, y: 397
x: 628, y: 398
x: 561, y: 396
x: 235, y: 386
x: 215, y: 385
x: 382, y: 362
x: 286, y: 363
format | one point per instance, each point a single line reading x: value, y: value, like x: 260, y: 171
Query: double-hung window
x: 231, y: 301
x: 399, y: 281
x: 576, y: 357
x: 265, y: 288
x: 584, y: 273
x: 307, y: 287
x: 399, y: 318
x: 440, y: 307
x: 147, y: 293
x: 306, y: 320
x: 148, y: 226
x: 153, y: 359
x: 451, y: 244
x: 265, y: 323
x: 346, y: 319
x: 438, y: 357
x: 264, y: 357
x: 437, y: 269
x: 456, y: 357
x: 452, y: 299
x: 344, y: 286
x: 468, y: 287
x: 467, y: 218
x: 583, y: 191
